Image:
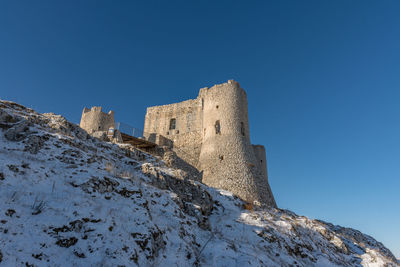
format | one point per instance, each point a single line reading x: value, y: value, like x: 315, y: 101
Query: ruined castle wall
x: 262, y: 181
x: 212, y: 134
x: 95, y: 119
x: 259, y: 152
x: 187, y: 114
x: 187, y: 146
x: 186, y: 136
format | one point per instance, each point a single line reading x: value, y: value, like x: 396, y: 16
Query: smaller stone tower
x: 95, y: 120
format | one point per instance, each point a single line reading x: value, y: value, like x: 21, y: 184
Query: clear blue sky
x: 322, y: 79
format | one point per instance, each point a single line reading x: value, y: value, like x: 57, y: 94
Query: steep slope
x: 68, y: 199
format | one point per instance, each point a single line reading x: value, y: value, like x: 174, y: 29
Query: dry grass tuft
x: 248, y: 206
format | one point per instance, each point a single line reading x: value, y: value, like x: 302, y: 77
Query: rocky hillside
x: 68, y: 199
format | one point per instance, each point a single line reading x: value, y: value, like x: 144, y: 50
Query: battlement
x: 96, y: 110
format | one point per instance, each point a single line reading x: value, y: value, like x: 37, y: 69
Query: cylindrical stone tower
x: 227, y: 158
x: 95, y: 119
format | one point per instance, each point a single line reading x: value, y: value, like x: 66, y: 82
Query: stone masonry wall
x: 212, y: 134
x: 187, y: 114
x: 227, y: 157
x: 186, y: 137
x: 95, y: 120
x: 262, y: 181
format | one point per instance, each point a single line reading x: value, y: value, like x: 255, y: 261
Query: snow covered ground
x: 67, y: 199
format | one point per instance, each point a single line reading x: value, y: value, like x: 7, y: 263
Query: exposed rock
x: 10, y: 212
x: 190, y: 194
x: 102, y: 135
x: 60, y: 125
x: 96, y: 184
x: 18, y: 132
x: 6, y: 119
x: 67, y: 242
x: 35, y: 143
x: 13, y: 168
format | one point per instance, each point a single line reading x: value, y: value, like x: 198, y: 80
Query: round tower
x: 95, y: 119
x: 227, y: 158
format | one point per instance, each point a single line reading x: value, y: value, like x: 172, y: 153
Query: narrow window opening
x: 217, y: 127
x: 172, y: 124
x: 217, y: 106
x: 221, y: 158
x: 202, y: 103
x: 242, y: 128
x: 261, y: 161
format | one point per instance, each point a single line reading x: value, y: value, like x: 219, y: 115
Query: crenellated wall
x: 95, y: 120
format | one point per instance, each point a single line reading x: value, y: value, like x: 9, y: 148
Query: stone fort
x: 209, y: 133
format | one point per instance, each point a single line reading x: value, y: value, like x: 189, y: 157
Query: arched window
x: 242, y: 128
x: 172, y: 124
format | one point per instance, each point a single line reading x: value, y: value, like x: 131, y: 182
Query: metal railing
x: 129, y: 130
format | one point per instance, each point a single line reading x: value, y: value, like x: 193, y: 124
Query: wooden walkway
x: 136, y: 142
